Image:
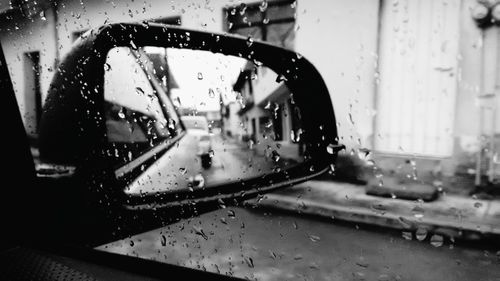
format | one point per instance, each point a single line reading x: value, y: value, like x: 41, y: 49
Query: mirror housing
x: 72, y: 129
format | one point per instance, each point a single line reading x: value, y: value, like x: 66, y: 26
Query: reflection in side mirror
x: 225, y: 120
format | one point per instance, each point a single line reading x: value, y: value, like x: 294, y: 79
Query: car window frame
x: 160, y: 147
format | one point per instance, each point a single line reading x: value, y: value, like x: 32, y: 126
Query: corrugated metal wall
x: 418, y: 77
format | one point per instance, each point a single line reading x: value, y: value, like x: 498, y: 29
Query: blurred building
x: 412, y: 79
x: 265, y: 111
x: 231, y: 122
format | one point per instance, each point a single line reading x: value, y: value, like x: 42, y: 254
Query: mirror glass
x: 209, y: 119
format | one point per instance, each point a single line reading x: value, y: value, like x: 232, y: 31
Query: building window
x: 273, y: 22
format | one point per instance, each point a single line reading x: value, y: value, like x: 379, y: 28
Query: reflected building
x: 264, y: 112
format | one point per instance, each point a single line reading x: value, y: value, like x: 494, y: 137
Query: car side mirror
x: 124, y: 109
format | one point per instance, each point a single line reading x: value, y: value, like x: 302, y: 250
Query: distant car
x: 198, y: 126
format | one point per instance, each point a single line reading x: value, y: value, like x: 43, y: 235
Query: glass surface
x: 232, y: 121
x: 415, y: 88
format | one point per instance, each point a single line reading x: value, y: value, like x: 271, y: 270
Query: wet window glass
x: 363, y: 144
x: 273, y: 22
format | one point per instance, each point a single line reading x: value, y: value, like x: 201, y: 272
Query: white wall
x: 233, y: 123
x: 340, y: 38
x: 29, y: 36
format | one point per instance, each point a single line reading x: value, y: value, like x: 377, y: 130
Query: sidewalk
x: 449, y: 215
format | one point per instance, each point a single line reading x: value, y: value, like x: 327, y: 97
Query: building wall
x: 341, y: 38
x: 480, y: 75
x: 19, y: 39
x: 233, y: 123
x: 264, y: 85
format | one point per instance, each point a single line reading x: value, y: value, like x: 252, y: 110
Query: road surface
x: 231, y: 161
x: 255, y: 244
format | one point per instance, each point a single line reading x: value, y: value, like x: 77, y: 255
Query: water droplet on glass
x: 139, y: 91
x: 42, y: 16
x: 385, y: 277
x: 163, y: 240
x: 183, y: 171
x: 243, y: 8
x: 199, y: 231
x: 263, y: 6
x: 107, y: 67
x: 275, y: 156
x: 280, y: 78
x: 268, y: 105
x: 249, y: 41
x: 421, y: 234
x: 132, y: 44
x: 332, y: 169
x: 333, y: 148
x: 221, y: 203
x: 363, y: 153
x: 314, y: 265
x: 436, y: 240
x: 362, y: 263
x: 211, y: 93
x: 478, y: 205
x: 249, y: 262
x: 231, y: 214
x: 379, y: 208
x: 198, y: 181
x: 407, y: 235
x: 418, y: 212
x: 200, y: 76
x: 272, y: 255
x: 121, y: 114
x: 314, y: 238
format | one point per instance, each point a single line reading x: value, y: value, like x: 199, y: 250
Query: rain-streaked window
x: 264, y: 139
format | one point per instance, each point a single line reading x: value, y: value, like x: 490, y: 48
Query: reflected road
x: 231, y: 161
